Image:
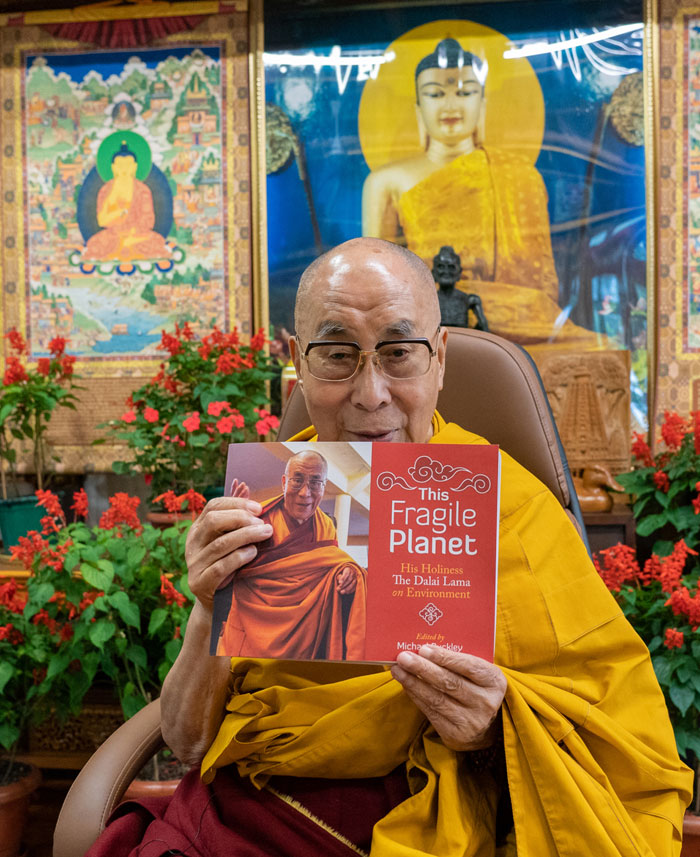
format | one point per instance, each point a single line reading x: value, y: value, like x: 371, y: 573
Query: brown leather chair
x: 492, y: 387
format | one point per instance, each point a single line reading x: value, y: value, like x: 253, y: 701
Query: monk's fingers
x: 434, y: 660
x: 438, y: 668
x: 240, y: 489
x: 213, y: 577
x: 461, y: 725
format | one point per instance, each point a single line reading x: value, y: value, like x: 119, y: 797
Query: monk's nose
x: 370, y: 386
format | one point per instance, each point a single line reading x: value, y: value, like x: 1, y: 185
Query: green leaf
x: 135, y: 555
x: 41, y: 593
x: 8, y: 735
x: 682, y: 697
x: 57, y: 665
x: 158, y: 616
x: 693, y: 743
x: 101, y: 631
x: 648, y: 525
x: 127, y: 609
x: 662, y: 668
x: 6, y: 673
x: 98, y: 578
x: 137, y: 654
x: 116, y: 549
x: 172, y: 649
x: 662, y: 499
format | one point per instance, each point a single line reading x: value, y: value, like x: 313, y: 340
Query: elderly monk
x: 563, y: 746
x: 288, y: 602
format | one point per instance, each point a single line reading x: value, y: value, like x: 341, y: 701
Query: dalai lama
x: 288, y: 602
x: 562, y: 746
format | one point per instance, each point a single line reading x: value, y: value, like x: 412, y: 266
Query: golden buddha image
x: 126, y: 216
x: 489, y: 203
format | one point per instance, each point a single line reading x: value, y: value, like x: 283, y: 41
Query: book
x: 377, y: 548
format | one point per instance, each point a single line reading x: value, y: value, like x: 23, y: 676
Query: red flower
x: 191, y: 423
x: 15, y: 373
x: 148, y: 478
x: 205, y: 349
x: 195, y: 501
x: 10, y: 598
x: 16, y: 340
x: 43, y: 618
x: 67, y: 365
x: 170, y: 500
x: 171, y: 595
x: 43, y: 366
x: 122, y: 510
x: 57, y: 345
x: 11, y: 634
x: 215, y: 408
x: 129, y: 417
x: 170, y: 343
x: 266, y: 422
x: 619, y: 565
x: 80, y: 504
x: 50, y: 502
x: 661, y: 481
x: 227, y: 363
x: 225, y: 425
x: 151, y: 415
x: 673, y: 430
x: 696, y: 504
x: 641, y: 451
x: 673, y: 638
x: 88, y: 599
x: 66, y: 633
x: 258, y: 341
x: 28, y: 547
x: 185, y: 331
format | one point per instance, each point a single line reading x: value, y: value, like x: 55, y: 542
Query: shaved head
x: 370, y: 250
x: 310, y: 456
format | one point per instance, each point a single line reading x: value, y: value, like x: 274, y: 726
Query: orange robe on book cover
x: 285, y: 603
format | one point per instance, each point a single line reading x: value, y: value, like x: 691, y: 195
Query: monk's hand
x: 220, y: 541
x: 346, y: 580
x: 460, y: 694
x: 240, y: 489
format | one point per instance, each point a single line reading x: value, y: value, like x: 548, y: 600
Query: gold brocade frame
x: 677, y: 365
x: 237, y: 28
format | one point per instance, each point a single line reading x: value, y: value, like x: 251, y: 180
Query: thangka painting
x: 678, y: 219
x: 126, y: 188
x: 512, y: 133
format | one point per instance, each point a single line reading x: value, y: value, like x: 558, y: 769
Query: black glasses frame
x: 422, y: 340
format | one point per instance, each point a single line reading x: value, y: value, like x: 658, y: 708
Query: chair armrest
x: 101, y: 783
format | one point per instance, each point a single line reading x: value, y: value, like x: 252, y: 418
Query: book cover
x: 376, y: 548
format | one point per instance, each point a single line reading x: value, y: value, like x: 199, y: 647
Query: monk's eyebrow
x: 403, y: 327
x: 330, y: 328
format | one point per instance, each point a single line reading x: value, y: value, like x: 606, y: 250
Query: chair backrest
x: 492, y: 387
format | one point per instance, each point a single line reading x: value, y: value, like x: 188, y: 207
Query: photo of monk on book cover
x: 304, y: 595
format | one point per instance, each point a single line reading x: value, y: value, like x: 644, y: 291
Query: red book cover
x: 376, y: 548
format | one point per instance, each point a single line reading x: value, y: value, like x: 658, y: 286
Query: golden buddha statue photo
x: 489, y: 204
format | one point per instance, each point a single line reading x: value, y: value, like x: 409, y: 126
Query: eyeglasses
x: 400, y: 359
x: 296, y: 483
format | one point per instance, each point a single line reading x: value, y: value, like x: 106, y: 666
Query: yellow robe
x: 491, y: 208
x: 590, y: 753
x: 285, y: 603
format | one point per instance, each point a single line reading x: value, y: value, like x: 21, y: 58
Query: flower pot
x: 691, y: 836
x: 18, y: 515
x: 14, y: 805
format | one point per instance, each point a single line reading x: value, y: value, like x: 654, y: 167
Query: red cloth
x: 231, y: 818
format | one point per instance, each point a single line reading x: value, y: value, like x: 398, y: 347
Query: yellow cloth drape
x: 590, y: 753
x: 491, y: 207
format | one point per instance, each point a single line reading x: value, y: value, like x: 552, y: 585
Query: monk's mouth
x: 375, y: 437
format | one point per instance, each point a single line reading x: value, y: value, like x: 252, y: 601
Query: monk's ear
x: 295, y: 354
x: 422, y: 130
x: 440, y: 357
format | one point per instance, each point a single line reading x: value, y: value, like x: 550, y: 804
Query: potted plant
x: 114, y: 596
x: 28, y: 398
x: 209, y: 392
x: 660, y: 595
